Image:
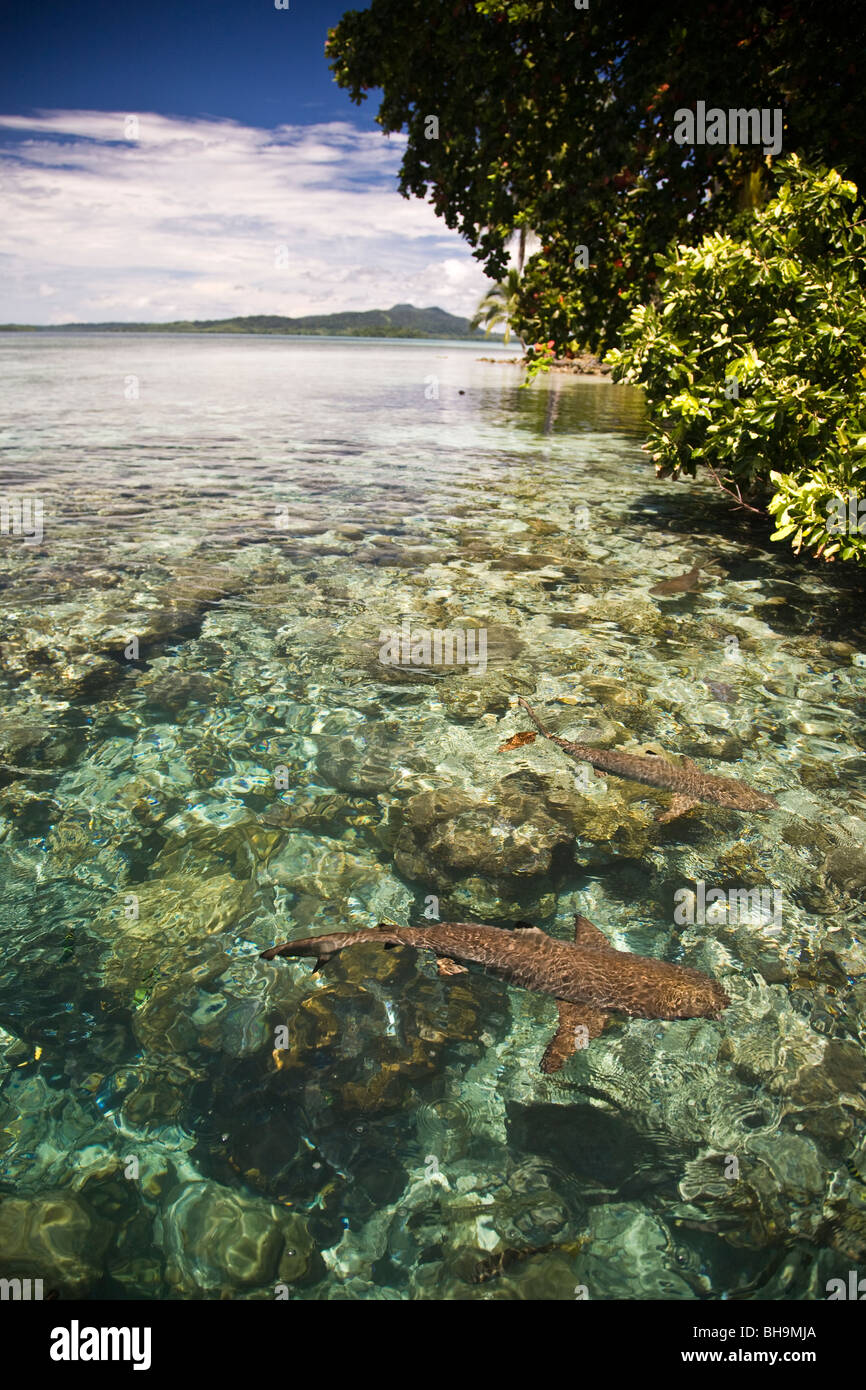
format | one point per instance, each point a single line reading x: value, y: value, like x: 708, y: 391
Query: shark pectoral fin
x: 578, y: 1024
x: 446, y: 966
x: 588, y: 935
x: 324, y: 959
x: 598, y: 772
x: 678, y: 807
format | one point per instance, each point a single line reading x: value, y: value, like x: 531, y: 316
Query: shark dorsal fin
x: 585, y: 934
x: 652, y: 749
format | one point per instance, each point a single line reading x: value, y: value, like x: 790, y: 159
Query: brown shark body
x: 681, y: 584
x: 588, y: 978
x: 689, y: 785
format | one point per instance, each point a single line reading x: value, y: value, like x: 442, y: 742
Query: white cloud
x: 207, y: 219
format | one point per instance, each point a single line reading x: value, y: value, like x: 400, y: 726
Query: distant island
x: 401, y: 321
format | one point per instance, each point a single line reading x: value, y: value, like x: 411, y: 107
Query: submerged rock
x: 55, y: 1238
x: 452, y: 837
x: 636, y: 616
x: 369, y: 765
x: 21, y: 737
x: 175, y: 917
x: 524, y: 829
x: 319, y: 865
x: 468, y: 697
x: 217, y: 1239
x: 846, y: 868
x: 174, y: 690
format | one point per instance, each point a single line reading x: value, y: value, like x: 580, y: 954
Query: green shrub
x: 753, y: 358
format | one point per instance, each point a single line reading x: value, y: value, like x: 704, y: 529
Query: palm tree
x: 499, y: 306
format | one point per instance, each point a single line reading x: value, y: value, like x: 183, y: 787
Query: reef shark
x: 689, y: 785
x: 680, y: 584
x: 588, y: 979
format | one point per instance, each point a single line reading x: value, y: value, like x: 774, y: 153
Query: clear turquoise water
x: 254, y: 513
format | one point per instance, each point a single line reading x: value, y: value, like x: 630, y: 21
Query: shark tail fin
x: 533, y: 716
x: 302, y: 948
x: 323, y: 947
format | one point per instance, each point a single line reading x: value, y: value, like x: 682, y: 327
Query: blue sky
x: 195, y: 159
x: 241, y: 59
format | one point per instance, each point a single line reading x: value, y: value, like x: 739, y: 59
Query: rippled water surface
x: 201, y: 752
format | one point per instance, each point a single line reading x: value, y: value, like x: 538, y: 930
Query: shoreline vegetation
x: 400, y: 321
x: 581, y: 364
x: 683, y: 199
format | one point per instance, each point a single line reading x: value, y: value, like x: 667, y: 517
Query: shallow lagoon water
x: 202, y: 753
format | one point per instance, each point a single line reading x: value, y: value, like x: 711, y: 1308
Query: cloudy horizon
x: 113, y: 216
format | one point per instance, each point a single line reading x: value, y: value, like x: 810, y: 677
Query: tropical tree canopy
x: 563, y: 119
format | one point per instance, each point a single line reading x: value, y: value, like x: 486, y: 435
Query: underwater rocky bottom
x: 183, y: 1120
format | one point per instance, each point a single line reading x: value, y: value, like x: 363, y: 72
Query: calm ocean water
x: 207, y: 545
